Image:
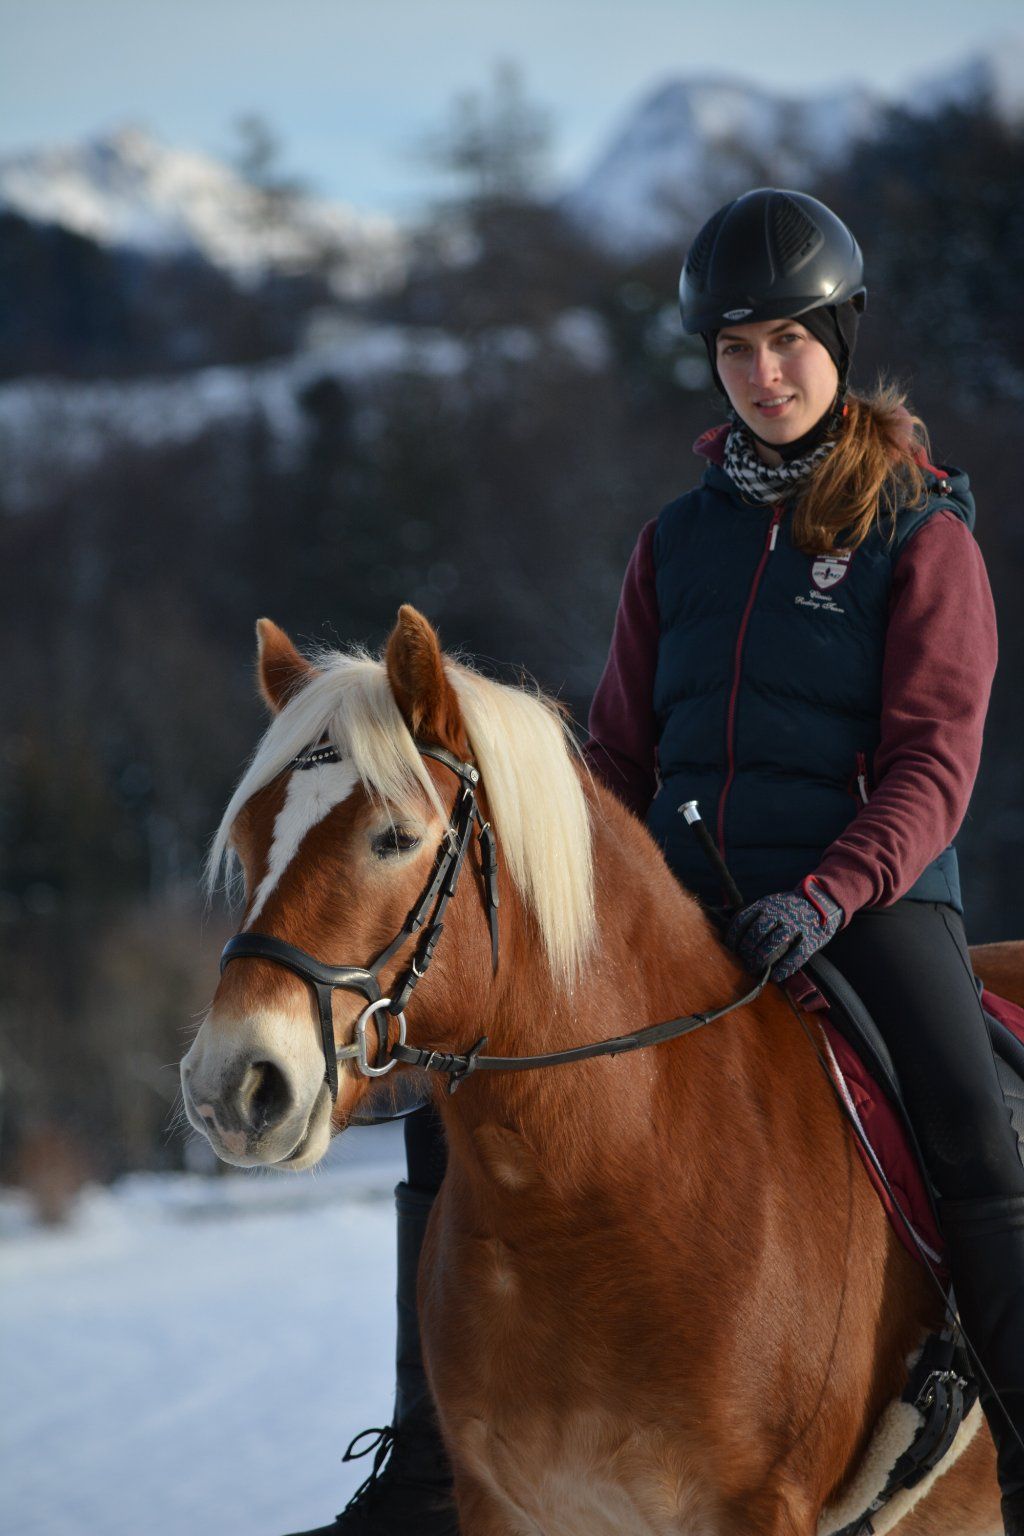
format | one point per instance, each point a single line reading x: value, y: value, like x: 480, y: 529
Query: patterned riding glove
x: 783, y: 931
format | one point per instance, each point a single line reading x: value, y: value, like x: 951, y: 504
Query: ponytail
x: 871, y: 474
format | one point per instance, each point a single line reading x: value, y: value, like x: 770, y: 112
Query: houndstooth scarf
x: 765, y: 482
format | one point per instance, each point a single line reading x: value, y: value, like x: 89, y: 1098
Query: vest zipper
x: 730, y: 722
x: 862, y: 776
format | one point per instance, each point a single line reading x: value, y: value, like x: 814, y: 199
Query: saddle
x: 919, y: 1430
x: 864, y: 1070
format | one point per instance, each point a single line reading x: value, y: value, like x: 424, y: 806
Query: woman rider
x: 805, y: 644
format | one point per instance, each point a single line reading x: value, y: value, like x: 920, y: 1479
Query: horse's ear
x: 280, y: 670
x: 418, y: 681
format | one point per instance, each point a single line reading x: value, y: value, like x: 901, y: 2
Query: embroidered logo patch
x: 826, y: 571
x: 736, y: 314
x: 829, y: 570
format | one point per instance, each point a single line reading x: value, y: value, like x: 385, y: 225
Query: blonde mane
x: 519, y: 741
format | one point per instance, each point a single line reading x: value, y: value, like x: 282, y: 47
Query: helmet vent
x: 794, y: 235
x: 699, y: 259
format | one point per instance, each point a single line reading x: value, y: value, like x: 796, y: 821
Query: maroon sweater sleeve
x: 623, y: 732
x: 940, y: 658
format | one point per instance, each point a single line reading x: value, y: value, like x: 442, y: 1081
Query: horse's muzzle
x: 249, y: 1109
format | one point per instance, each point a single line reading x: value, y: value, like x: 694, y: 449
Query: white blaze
x: 312, y: 794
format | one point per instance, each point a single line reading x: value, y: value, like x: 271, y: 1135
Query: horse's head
x: 336, y: 855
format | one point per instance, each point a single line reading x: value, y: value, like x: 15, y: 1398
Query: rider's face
x: 779, y: 377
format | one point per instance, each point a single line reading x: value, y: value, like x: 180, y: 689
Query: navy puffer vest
x: 768, y: 688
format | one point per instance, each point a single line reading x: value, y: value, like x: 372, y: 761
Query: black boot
x: 409, y: 1490
x: 986, y: 1250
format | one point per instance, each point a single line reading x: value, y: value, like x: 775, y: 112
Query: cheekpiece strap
x: 446, y: 877
x: 489, y: 867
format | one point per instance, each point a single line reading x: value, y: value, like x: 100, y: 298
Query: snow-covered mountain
x: 685, y: 148
x: 692, y: 144
x: 128, y: 189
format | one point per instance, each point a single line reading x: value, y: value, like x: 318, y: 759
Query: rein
x: 327, y: 979
x: 459, y: 1067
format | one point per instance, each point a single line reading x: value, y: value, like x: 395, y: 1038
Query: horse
x: 658, y: 1292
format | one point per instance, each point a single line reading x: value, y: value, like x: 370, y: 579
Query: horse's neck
x: 656, y: 957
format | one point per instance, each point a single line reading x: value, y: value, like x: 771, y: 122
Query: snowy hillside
x: 50, y: 428
x: 127, y: 189
x: 185, y: 1356
x: 694, y: 143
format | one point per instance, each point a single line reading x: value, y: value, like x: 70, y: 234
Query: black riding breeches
x: 910, y: 964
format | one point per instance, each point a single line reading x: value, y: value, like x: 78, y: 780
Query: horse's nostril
x: 265, y: 1098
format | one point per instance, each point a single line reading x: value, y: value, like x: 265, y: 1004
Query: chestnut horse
x: 658, y: 1292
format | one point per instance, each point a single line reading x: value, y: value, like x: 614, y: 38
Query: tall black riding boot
x: 986, y: 1250
x: 409, y: 1490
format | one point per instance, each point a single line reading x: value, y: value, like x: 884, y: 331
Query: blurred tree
x: 257, y: 159
x: 278, y: 195
x: 494, y: 147
x: 936, y: 204
x: 71, y: 306
x: 494, y: 248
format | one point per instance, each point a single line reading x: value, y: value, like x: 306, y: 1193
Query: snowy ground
x: 51, y: 427
x: 193, y: 1355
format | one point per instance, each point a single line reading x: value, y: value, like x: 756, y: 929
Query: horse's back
x: 1001, y: 968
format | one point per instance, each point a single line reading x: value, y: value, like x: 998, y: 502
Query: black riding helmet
x: 769, y: 255
x: 775, y: 255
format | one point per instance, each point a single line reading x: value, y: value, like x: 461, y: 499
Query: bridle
x: 327, y: 979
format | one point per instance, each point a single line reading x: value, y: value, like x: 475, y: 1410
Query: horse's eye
x: 394, y: 840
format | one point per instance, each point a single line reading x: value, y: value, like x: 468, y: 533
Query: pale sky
x: 350, y: 85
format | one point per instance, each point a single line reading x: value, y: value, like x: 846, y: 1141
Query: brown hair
x: 873, y: 471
